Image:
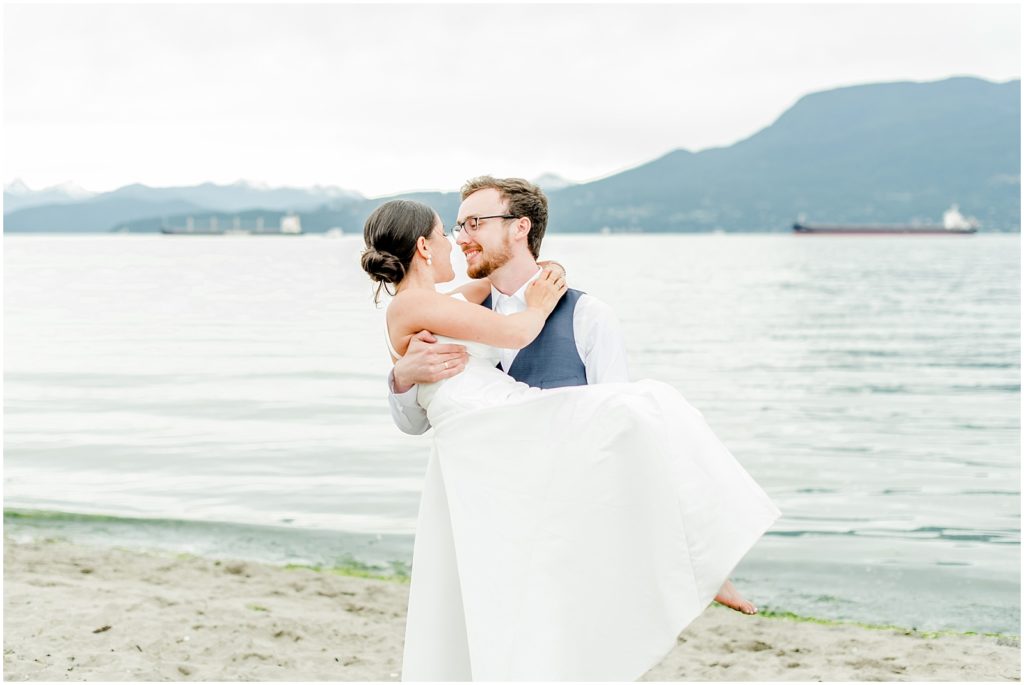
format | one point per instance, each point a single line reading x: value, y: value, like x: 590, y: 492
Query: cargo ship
x: 953, y: 222
x: 289, y: 225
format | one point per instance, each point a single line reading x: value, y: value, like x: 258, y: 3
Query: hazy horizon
x: 398, y: 98
x: 259, y: 183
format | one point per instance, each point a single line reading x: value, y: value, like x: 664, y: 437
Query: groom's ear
x: 521, y: 228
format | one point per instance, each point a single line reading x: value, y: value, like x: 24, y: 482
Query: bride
x: 564, y: 534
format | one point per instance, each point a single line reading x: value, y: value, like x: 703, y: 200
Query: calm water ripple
x: 872, y: 386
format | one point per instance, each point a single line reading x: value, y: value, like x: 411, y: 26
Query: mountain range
x: 880, y: 153
x: 876, y: 153
x: 56, y: 209
x: 17, y: 195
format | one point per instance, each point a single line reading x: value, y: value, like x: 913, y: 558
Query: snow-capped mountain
x: 550, y: 181
x: 240, y: 195
x: 18, y: 195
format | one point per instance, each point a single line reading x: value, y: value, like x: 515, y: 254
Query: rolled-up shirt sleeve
x: 409, y: 417
x: 600, y: 342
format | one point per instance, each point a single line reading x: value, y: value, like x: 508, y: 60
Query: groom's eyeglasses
x: 472, y: 223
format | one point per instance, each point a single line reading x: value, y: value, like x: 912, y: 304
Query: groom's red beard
x: 488, y: 262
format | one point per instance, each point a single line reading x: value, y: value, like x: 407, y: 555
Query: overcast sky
x: 390, y: 98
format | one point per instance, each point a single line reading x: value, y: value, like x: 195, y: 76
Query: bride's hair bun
x: 390, y: 234
x: 383, y: 267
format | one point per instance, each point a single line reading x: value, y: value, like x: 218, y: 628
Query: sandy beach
x: 84, y: 613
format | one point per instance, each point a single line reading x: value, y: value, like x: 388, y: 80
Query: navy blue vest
x: 552, y: 360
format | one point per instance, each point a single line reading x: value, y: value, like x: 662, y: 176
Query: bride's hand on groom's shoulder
x: 428, y: 361
x: 545, y: 291
x: 553, y: 266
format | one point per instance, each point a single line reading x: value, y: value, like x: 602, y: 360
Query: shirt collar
x: 498, y: 296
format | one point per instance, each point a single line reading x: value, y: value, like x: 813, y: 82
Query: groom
x: 500, y: 227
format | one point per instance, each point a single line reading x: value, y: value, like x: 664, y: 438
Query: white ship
x: 290, y: 224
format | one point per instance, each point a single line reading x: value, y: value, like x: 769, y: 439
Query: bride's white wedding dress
x: 568, y: 534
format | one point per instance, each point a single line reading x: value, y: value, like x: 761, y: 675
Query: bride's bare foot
x: 731, y: 597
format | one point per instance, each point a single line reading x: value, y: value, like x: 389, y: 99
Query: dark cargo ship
x: 953, y: 222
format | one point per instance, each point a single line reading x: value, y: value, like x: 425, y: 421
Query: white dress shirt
x: 599, y: 343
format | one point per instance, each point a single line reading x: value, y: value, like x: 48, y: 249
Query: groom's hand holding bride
x: 428, y: 361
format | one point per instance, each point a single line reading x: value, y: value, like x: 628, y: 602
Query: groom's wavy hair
x: 390, y: 236
x: 524, y: 199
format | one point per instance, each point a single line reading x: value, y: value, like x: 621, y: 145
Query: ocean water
x: 226, y: 396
